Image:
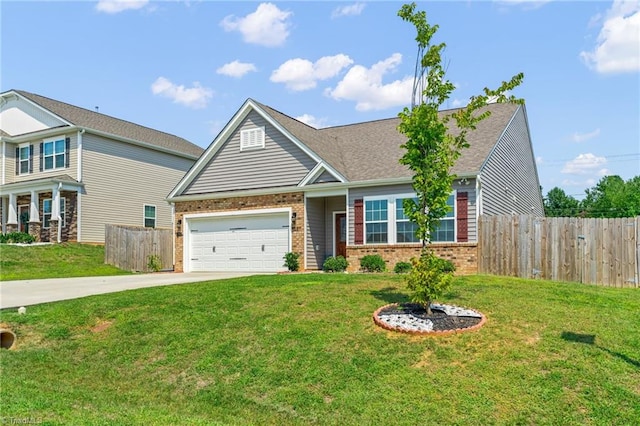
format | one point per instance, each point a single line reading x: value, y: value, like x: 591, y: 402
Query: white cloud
x: 312, y: 121
x: 581, y: 137
x: 457, y: 103
x: 194, y: 97
x: 539, y: 160
x: 117, y: 6
x: 618, y: 45
x: 267, y: 26
x: 236, y: 69
x: 585, y: 164
x: 301, y: 74
x: 364, y: 86
x: 350, y: 10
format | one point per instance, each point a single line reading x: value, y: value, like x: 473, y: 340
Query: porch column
x: 12, y: 220
x: 34, y: 216
x: 5, y: 206
x: 54, y: 229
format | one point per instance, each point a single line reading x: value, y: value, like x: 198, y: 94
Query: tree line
x: 610, y: 197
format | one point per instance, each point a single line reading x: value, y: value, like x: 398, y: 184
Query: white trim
x: 306, y: 221
x: 186, y: 225
x: 4, y: 166
x: 27, y: 145
x: 315, y: 173
x: 41, y: 108
x: 79, y: 145
x: 346, y: 229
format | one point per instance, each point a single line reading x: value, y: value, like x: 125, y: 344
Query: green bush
x: 429, y: 278
x: 17, y: 237
x: 291, y: 261
x: 154, y: 263
x: 372, y: 263
x: 402, y: 267
x: 335, y: 264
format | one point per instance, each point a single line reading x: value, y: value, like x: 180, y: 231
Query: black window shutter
x: 30, y: 158
x: 41, y: 156
x: 18, y: 160
x: 67, y: 149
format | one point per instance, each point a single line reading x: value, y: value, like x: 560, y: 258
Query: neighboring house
x: 67, y: 171
x: 269, y: 184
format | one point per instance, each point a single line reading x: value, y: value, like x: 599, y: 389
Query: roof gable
x: 106, y: 125
x: 19, y: 116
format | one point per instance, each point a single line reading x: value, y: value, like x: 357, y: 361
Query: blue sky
x: 185, y: 67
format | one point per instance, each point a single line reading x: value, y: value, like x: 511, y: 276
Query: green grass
x: 303, y: 349
x: 53, y: 261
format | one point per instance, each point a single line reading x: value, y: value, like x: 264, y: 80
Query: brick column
x: 53, y: 231
x: 12, y: 227
x: 34, y: 230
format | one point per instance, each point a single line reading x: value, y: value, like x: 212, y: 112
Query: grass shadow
x: 590, y: 339
x: 390, y: 295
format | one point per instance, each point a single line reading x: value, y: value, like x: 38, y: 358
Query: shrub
x: 335, y: 264
x: 291, y: 261
x: 372, y: 263
x: 17, y: 237
x: 402, y: 267
x: 429, y: 278
x: 154, y: 263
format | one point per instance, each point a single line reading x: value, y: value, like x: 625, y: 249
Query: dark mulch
x: 441, y: 321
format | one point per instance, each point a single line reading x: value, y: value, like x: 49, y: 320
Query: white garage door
x: 255, y: 243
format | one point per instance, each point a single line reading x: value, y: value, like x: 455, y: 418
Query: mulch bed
x: 442, y: 323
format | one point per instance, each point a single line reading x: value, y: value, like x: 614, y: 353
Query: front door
x: 340, y: 229
x: 23, y: 218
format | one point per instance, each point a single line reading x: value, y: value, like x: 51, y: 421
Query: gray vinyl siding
x: 510, y: 182
x: 120, y: 179
x: 316, y: 225
x: 325, y: 177
x: 384, y: 191
x: 280, y: 163
x: 320, y: 230
x: 10, y: 160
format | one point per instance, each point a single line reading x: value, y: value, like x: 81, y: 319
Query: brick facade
x: 234, y: 204
x: 463, y: 255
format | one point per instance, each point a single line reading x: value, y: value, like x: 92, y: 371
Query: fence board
x: 129, y: 247
x: 594, y: 251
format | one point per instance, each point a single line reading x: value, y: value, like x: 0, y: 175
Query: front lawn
x: 303, y: 349
x: 53, y: 261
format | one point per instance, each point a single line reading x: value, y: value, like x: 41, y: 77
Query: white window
x: 376, y: 219
x: 405, y: 229
x: 46, y: 212
x: 252, y: 139
x: 149, y: 216
x: 54, y: 154
x: 25, y: 154
x: 381, y: 228
x: 446, y: 230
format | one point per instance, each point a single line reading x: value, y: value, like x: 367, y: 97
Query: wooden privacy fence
x: 593, y: 251
x: 130, y: 247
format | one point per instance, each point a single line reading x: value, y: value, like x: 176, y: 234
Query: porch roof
x: 66, y: 183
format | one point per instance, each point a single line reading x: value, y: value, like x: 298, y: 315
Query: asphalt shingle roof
x: 103, y: 123
x: 371, y: 150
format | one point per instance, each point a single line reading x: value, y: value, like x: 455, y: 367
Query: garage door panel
x: 247, y: 243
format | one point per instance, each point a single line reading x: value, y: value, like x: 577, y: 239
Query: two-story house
x: 66, y: 171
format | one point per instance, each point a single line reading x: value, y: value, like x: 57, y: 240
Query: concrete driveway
x: 32, y: 292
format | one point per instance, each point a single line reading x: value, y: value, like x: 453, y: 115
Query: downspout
x: 478, y: 197
x: 173, y: 236
x: 65, y: 205
x: 79, y: 179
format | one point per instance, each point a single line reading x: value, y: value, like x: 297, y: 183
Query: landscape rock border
x: 412, y: 328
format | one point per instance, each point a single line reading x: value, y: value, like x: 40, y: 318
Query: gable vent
x: 252, y: 138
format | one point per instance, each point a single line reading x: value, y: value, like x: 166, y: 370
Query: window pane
x: 24, y: 153
x: 150, y: 223
x: 406, y: 232
x: 444, y: 232
x: 59, y: 160
x: 376, y: 232
x: 48, y: 163
x: 450, y: 200
x: 46, y: 220
x: 24, y: 167
x: 48, y: 148
x: 149, y: 211
x: 46, y: 206
x: 60, y: 147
